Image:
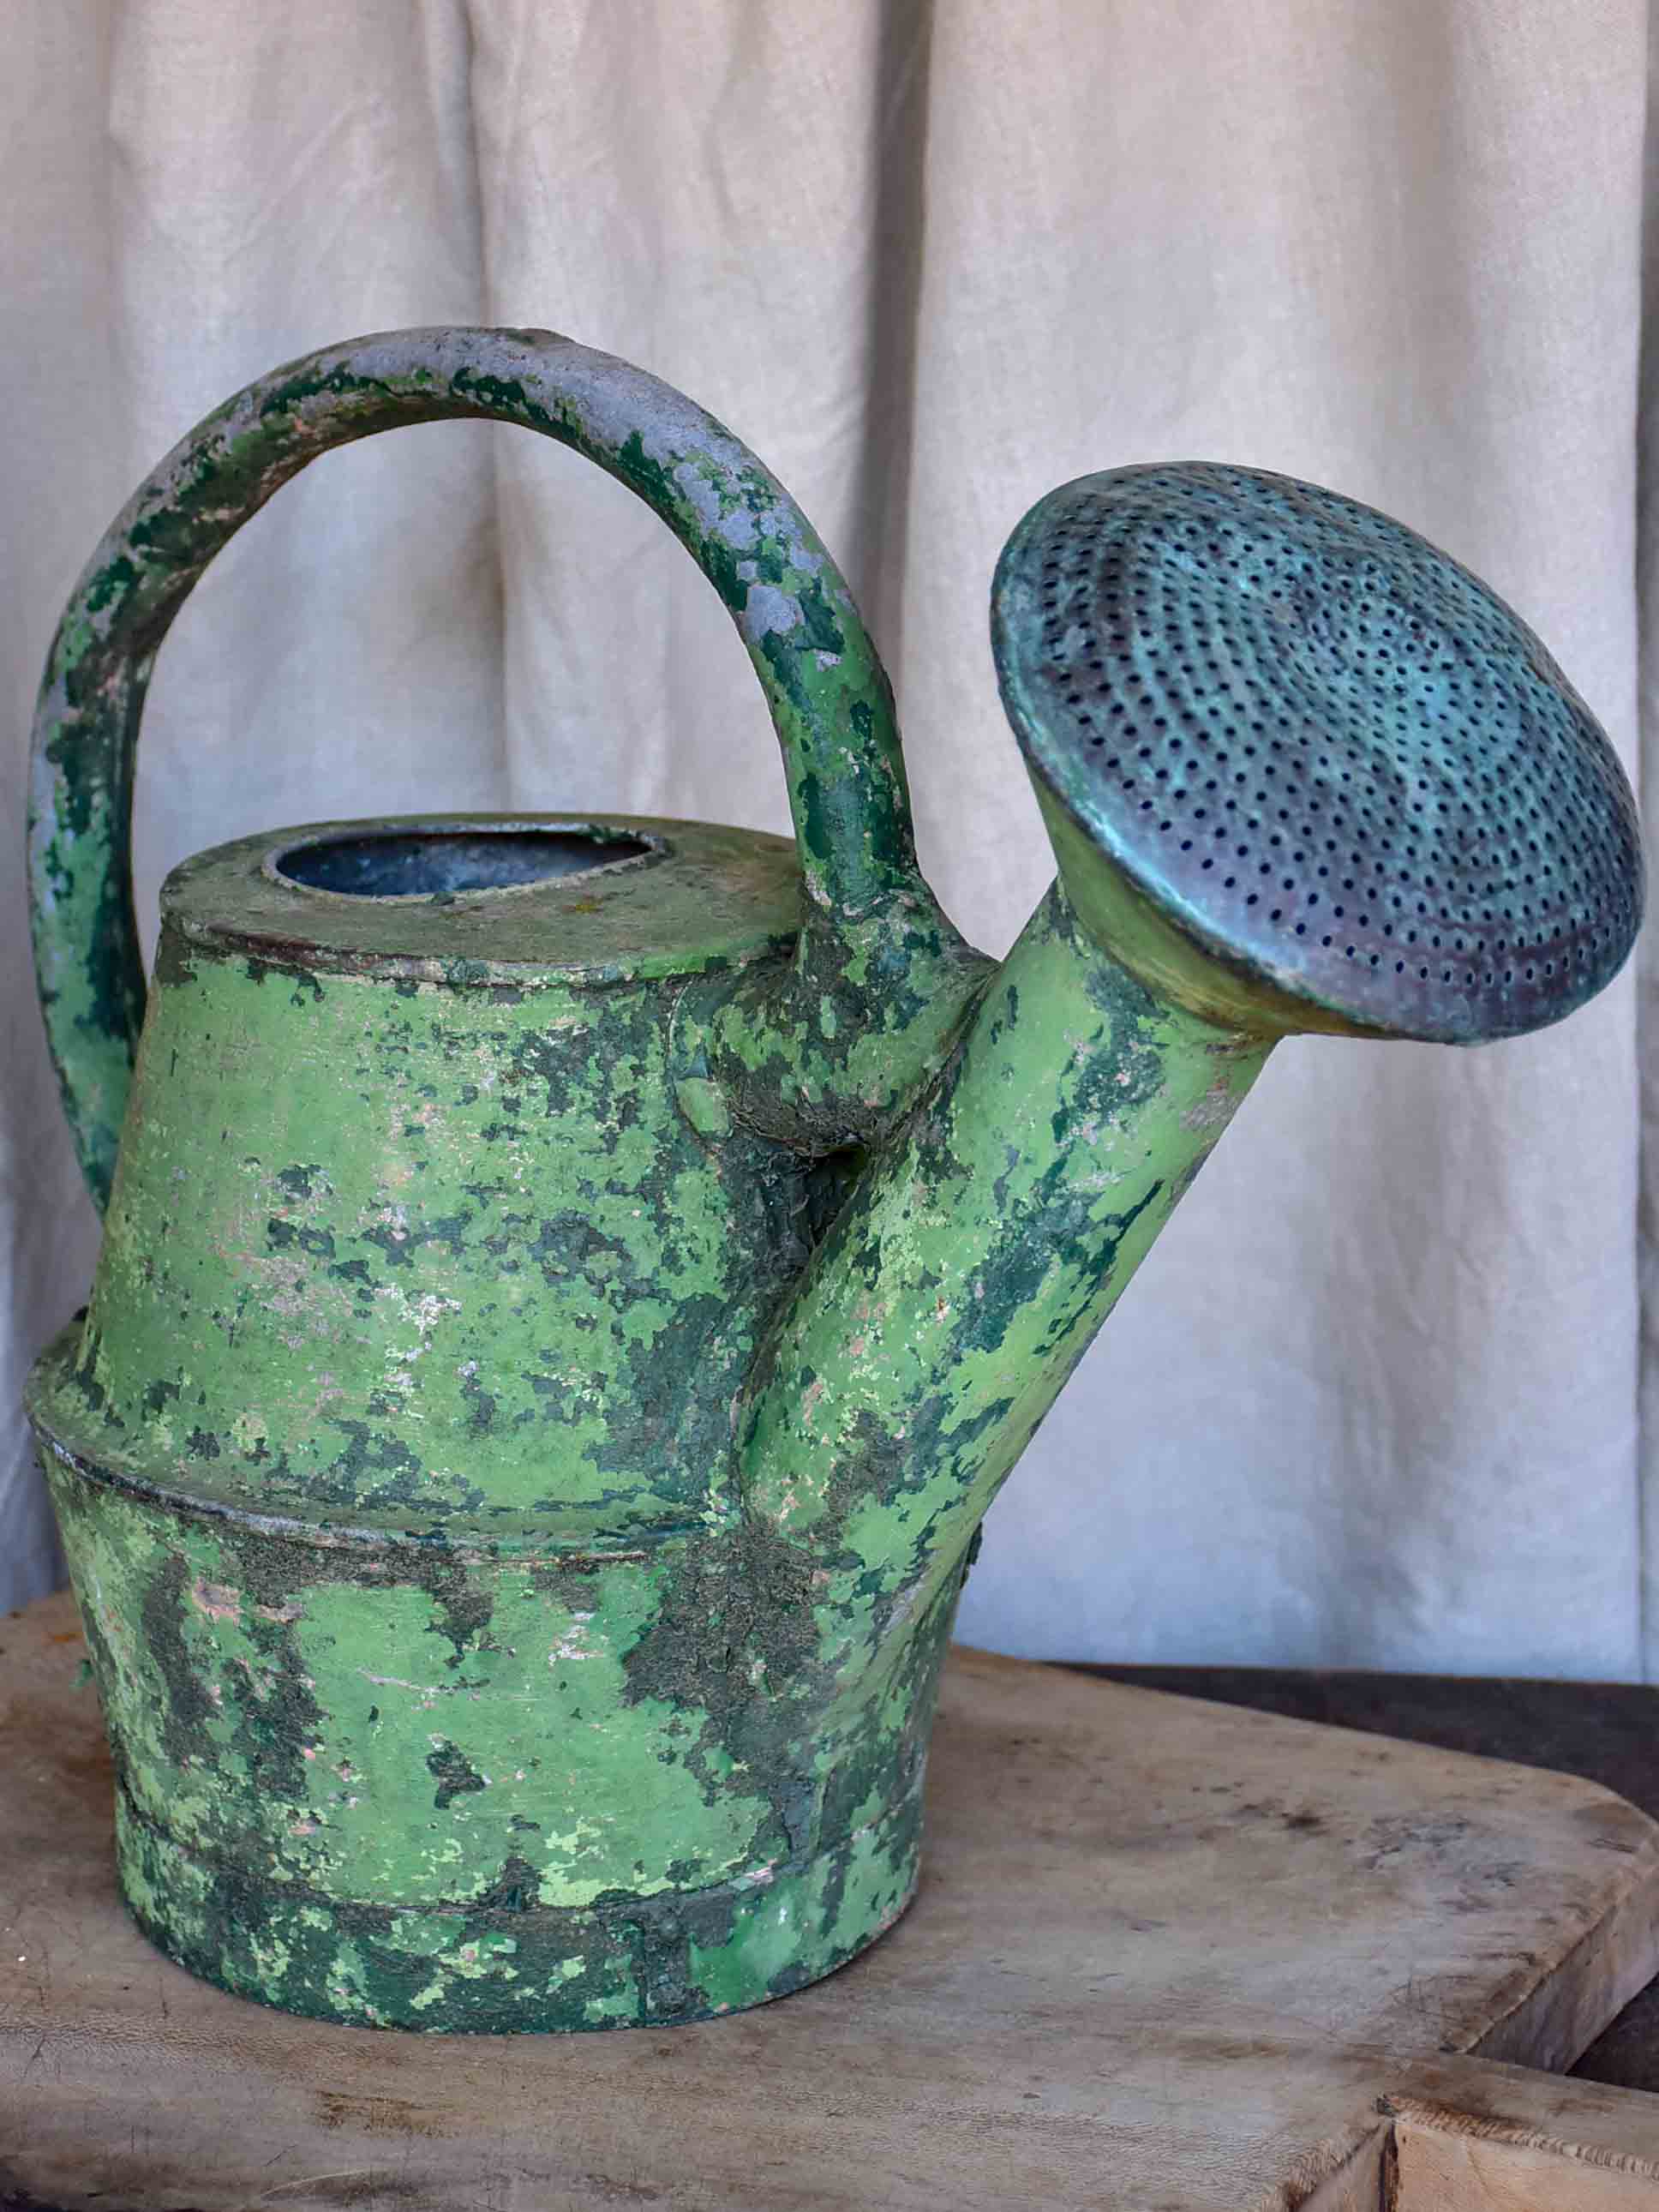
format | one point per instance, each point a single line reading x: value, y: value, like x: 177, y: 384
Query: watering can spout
x: 976, y: 1260
x: 1300, y: 772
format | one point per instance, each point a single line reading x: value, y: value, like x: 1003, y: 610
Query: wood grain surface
x: 1167, y: 1955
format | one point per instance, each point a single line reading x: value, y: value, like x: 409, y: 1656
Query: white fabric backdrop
x: 1375, y: 1398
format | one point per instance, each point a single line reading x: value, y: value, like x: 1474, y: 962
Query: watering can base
x: 474, y: 1788
x: 490, y: 1970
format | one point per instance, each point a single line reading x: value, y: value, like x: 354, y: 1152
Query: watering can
x: 572, y: 1286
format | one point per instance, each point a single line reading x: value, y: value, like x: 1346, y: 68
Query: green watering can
x: 572, y: 1286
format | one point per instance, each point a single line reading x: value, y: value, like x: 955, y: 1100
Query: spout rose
x: 1326, y: 756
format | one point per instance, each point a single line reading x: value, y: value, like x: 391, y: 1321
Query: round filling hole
x: 440, y: 863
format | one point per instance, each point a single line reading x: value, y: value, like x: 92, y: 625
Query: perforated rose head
x: 1336, y: 779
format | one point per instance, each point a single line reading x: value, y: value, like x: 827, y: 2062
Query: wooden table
x: 1168, y: 1955
x: 1606, y: 1732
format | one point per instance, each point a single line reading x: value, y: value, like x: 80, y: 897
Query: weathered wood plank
x: 1468, y: 2137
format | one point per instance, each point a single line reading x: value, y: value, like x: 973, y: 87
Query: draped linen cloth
x: 1384, y: 1395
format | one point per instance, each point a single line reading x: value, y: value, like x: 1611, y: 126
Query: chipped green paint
x: 470, y: 1222
x: 828, y: 693
x: 973, y: 1263
x: 402, y: 1785
x: 572, y: 1287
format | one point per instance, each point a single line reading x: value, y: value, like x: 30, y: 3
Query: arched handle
x: 828, y: 695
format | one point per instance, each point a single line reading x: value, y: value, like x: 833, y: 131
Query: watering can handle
x: 829, y: 699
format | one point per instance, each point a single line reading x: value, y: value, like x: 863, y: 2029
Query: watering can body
x: 392, y: 1457
x: 571, y: 1287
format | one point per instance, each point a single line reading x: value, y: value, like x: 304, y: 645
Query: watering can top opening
x: 1319, y: 748
x: 509, y: 899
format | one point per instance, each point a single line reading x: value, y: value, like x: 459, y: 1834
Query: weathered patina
x: 571, y: 1286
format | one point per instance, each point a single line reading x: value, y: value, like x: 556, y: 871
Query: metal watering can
x: 571, y: 1287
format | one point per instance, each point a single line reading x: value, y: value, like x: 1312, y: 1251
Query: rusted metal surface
x: 572, y: 1287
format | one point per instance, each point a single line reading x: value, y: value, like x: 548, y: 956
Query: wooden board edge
x: 1468, y: 2136
x: 1361, y: 2182
x: 1551, y: 2022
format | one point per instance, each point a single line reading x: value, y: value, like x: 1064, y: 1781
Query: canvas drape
x: 1377, y: 1398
